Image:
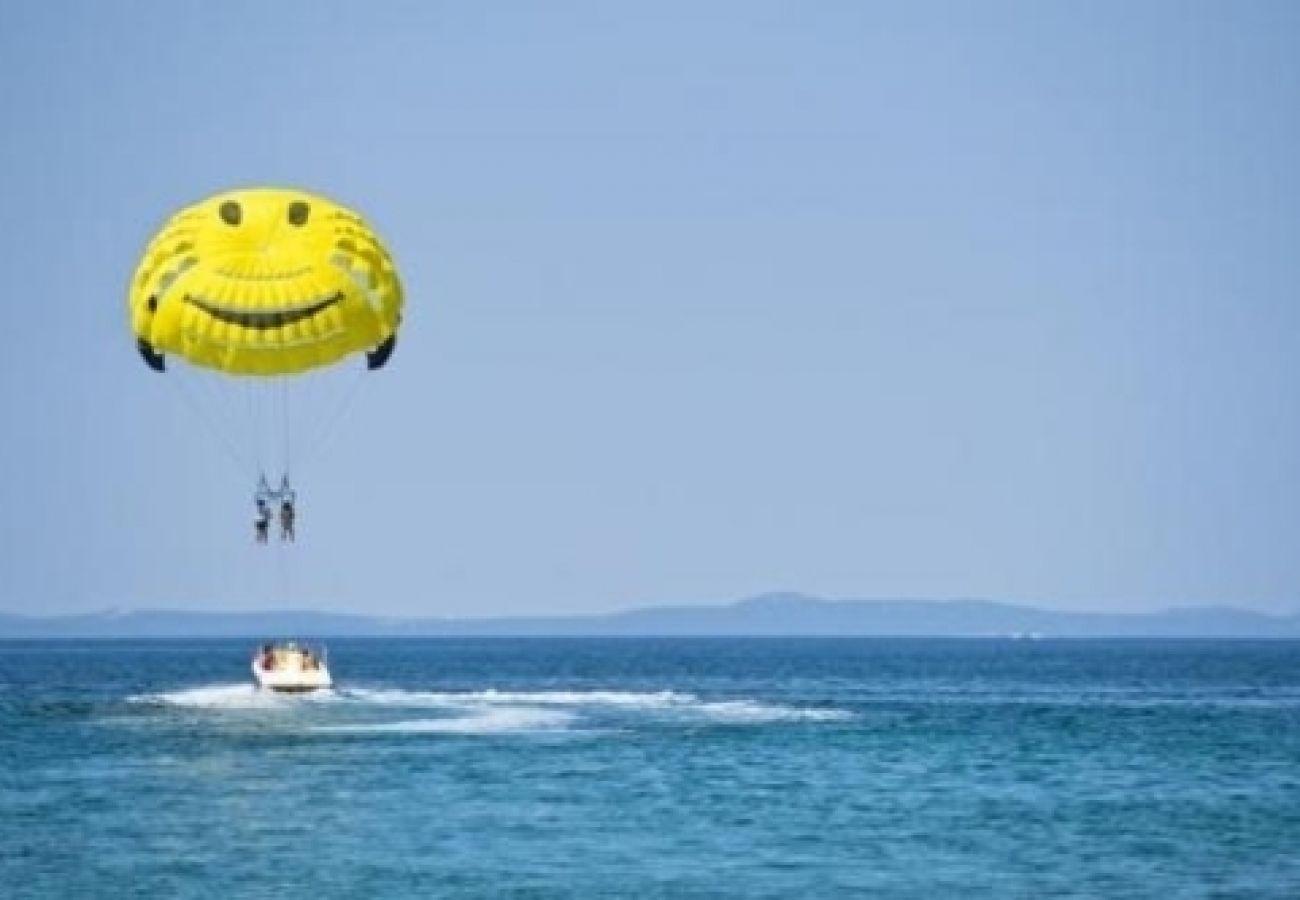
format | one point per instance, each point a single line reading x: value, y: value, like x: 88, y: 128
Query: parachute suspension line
x: 285, y: 425
x: 265, y: 423
x: 250, y: 424
x: 271, y: 424
x: 248, y: 428
x: 215, y: 409
x: 191, y: 403
x: 327, y: 388
x: 328, y: 427
x: 236, y: 419
x: 267, y: 427
x: 299, y: 399
x: 222, y: 402
x: 266, y: 440
x: 206, y: 403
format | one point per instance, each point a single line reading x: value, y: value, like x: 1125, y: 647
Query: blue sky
x: 705, y: 299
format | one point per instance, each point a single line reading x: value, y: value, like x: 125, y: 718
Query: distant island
x: 767, y: 615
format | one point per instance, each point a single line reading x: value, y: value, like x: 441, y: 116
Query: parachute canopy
x: 265, y: 281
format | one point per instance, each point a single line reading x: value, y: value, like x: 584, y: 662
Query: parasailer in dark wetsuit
x: 262, y: 499
x: 262, y: 524
x: 287, y: 515
x: 288, y: 510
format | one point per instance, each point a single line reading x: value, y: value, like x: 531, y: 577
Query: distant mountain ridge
x: 766, y: 615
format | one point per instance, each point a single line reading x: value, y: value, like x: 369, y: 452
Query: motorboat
x: 291, y: 667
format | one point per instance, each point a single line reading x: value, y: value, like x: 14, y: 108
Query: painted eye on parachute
x: 231, y: 213
x: 298, y: 212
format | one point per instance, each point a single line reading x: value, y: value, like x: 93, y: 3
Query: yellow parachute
x: 257, y: 294
x: 265, y: 281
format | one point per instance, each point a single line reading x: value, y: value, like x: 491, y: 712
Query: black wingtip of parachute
x: 152, y: 358
x: 377, y: 357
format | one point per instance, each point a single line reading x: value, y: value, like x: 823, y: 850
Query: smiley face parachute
x: 265, y: 282
x: 259, y: 294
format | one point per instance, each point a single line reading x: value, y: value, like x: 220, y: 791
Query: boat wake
x: 504, y: 720
x: 679, y: 705
x: 387, y: 710
x: 230, y: 696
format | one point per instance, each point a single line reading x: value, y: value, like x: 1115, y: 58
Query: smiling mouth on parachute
x: 261, y: 320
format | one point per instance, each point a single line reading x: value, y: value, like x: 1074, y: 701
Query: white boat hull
x: 292, y: 680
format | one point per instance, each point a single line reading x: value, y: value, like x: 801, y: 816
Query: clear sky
x: 704, y: 299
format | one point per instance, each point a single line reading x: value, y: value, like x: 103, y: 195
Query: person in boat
x: 287, y: 515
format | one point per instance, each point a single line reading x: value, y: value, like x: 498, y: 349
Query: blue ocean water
x: 655, y: 768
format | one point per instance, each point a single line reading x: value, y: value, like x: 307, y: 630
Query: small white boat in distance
x: 291, y: 668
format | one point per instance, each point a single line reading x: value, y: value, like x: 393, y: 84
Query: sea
x: 654, y: 768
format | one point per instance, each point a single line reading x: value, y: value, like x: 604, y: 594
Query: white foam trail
x: 745, y: 711
x: 671, y: 702
x: 558, y: 704
x: 500, y: 720
x: 230, y: 696
x: 492, y: 697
